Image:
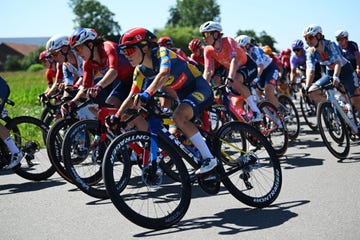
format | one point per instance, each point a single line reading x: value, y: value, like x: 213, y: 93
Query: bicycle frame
x: 330, y: 95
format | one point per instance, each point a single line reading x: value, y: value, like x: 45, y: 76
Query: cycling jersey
x: 71, y: 72
x: 349, y: 52
x: 50, y: 75
x: 4, y: 93
x: 329, y: 57
x: 298, y: 61
x: 184, y: 78
x: 229, y: 49
x: 259, y: 56
x: 110, y: 57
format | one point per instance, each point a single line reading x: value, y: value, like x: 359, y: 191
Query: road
x: 320, y: 199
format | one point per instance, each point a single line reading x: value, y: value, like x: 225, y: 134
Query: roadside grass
x: 25, y: 87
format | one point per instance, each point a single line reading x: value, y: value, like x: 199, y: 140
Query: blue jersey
x: 349, y: 52
x: 329, y: 57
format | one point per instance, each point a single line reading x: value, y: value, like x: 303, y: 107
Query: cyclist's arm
x: 292, y: 74
x: 234, y: 66
x: 310, y: 74
x: 108, y: 78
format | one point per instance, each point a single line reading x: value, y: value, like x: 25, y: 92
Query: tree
x: 92, y: 14
x: 193, y: 13
x: 263, y: 38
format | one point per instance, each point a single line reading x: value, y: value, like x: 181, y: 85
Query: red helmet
x: 165, y: 41
x: 44, y: 55
x: 137, y: 36
x: 194, y: 45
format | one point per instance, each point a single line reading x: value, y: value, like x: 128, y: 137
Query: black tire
x: 28, y: 133
x: 308, y: 111
x: 292, y: 119
x: 149, y: 207
x: 333, y: 131
x: 85, y: 166
x: 54, y: 142
x: 273, y: 128
x: 257, y: 184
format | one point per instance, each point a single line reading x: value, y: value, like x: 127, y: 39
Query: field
x: 24, y: 88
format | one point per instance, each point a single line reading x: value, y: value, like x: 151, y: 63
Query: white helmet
x: 243, y: 40
x: 341, y: 34
x: 56, y: 42
x: 210, y: 26
x: 312, y: 30
x: 82, y: 35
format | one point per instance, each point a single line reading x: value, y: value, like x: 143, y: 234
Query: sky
x: 284, y: 20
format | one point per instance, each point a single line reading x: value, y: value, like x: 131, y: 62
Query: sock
x: 250, y: 100
x: 11, y: 145
x: 200, y: 144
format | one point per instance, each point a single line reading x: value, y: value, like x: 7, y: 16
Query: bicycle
x: 156, y: 194
x: 336, y: 125
x: 28, y: 134
x: 271, y: 126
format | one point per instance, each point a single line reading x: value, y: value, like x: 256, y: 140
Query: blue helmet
x: 297, y: 44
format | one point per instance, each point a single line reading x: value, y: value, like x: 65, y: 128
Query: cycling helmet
x: 297, y: 44
x: 312, y: 30
x: 56, y: 42
x: 341, y: 34
x: 137, y: 36
x: 44, y: 55
x: 82, y: 35
x: 194, y: 45
x: 165, y: 41
x: 210, y: 26
x: 267, y: 49
x: 243, y: 40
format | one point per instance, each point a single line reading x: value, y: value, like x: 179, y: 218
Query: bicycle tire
x: 333, y: 132
x: 258, y: 184
x: 85, y: 168
x: 28, y: 133
x: 139, y: 203
x: 292, y: 119
x: 278, y: 136
x: 54, y: 142
x: 308, y: 111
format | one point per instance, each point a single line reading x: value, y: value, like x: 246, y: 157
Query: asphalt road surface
x: 320, y: 199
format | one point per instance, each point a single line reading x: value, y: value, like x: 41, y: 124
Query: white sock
x: 200, y: 144
x: 250, y: 100
x: 11, y: 145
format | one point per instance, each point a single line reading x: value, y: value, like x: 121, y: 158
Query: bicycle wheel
x: 291, y: 120
x: 154, y: 206
x: 83, y: 154
x: 252, y: 174
x: 273, y: 128
x: 308, y: 110
x: 54, y: 142
x: 28, y: 134
x: 333, y: 130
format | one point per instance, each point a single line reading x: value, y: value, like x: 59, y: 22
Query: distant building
x: 14, y: 49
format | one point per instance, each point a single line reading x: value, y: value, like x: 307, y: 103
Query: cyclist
x: 197, y: 54
x: 349, y: 49
x: 337, y: 66
x: 167, y: 42
x: 298, y: 62
x: 50, y: 65
x: 241, y: 68
x: 268, y: 73
x: 157, y: 67
x: 69, y: 62
x: 16, y: 154
x: 107, y: 73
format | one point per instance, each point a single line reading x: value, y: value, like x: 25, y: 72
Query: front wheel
x: 333, y: 130
x: 151, y: 202
x: 291, y: 119
x: 250, y: 169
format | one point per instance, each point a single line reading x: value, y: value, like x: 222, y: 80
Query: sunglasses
x: 129, y: 51
x: 309, y: 38
x: 206, y: 34
x: 339, y: 39
x: 78, y: 48
x: 297, y: 49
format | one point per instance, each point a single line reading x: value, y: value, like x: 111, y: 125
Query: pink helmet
x: 194, y: 45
